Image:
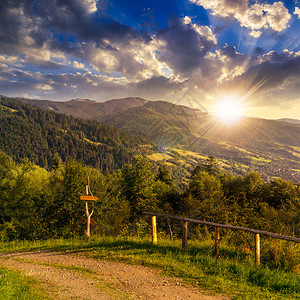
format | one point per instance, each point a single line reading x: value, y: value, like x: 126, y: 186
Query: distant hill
x: 293, y: 121
x: 28, y: 131
x: 271, y: 147
x: 85, y: 108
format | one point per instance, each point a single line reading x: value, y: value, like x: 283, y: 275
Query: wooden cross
x: 88, y: 198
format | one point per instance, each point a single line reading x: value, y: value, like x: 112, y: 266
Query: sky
x: 192, y: 52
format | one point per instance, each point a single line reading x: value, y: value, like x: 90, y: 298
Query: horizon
x: 195, y: 53
x: 155, y: 100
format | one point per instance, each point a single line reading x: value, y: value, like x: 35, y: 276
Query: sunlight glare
x: 229, y: 109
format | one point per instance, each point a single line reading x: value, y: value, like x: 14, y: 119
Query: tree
x: 112, y: 212
x: 211, y: 165
x: 24, y: 195
x: 138, y: 182
x: 70, y: 210
x: 280, y: 192
x: 204, y: 197
x: 164, y: 175
x: 56, y: 162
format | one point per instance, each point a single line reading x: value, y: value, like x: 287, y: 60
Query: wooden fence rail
x: 217, y: 226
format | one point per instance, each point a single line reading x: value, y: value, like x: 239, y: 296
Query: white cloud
x: 256, y: 17
x: 277, y: 16
x: 43, y: 87
x: 8, y: 59
x: 78, y: 65
x: 297, y: 12
x: 90, y: 5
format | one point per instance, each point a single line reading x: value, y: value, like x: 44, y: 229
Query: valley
x: 185, y: 137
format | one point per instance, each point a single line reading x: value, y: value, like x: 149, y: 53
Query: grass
x: 233, y: 274
x: 15, y: 286
x: 189, y: 153
x: 92, y: 142
x: 32, y: 286
x: 159, y: 156
x: 7, y: 108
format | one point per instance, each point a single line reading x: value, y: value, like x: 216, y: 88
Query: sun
x: 229, y: 109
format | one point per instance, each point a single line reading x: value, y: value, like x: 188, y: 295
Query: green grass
x: 14, y: 286
x: 233, y: 274
x: 159, y: 156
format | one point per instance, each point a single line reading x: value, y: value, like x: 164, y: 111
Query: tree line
x: 37, y: 203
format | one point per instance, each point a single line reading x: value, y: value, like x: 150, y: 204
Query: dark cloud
x: 276, y: 68
x: 272, y: 81
x: 159, y: 87
x: 258, y: 51
x: 233, y: 58
x: 219, y: 28
x: 45, y: 21
x: 230, y: 52
x: 11, y: 24
x: 70, y: 16
x: 159, y: 83
x: 185, y: 47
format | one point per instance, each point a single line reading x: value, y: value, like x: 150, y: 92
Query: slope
x: 29, y: 132
x: 271, y: 147
x: 85, y: 108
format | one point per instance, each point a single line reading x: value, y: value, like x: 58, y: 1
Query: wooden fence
x: 217, y: 226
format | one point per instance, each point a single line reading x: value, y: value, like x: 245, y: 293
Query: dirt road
x: 70, y: 275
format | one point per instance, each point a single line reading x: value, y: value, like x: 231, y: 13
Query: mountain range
x: 28, y: 131
x: 186, y: 136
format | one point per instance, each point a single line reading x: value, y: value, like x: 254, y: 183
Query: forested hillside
x: 29, y: 132
x: 270, y: 147
x: 183, y: 135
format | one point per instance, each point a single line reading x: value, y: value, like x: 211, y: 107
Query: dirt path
x: 69, y: 276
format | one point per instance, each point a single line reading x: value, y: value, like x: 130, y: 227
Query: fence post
x: 184, y: 235
x: 217, y: 242
x: 154, y: 234
x: 257, y: 249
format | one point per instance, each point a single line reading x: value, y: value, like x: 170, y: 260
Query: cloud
x: 256, y: 17
x: 26, y: 25
x: 48, y: 34
x: 43, y: 87
x: 79, y: 51
x: 81, y: 20
x: 184, y: 45
x: 297, y: 12
x: 78, y: 65
x: 274, y: 80
x: 231, y: 63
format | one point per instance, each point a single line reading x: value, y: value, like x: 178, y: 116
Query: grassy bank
x: 233, y: 274
x: 15, y: 286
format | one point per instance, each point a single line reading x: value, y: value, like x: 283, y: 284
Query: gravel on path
x: 70, y: 275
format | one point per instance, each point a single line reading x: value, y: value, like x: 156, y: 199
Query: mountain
x: 85, y: 108
x: 30, y: 132
x: 288, y: 120
x: 187, y: 136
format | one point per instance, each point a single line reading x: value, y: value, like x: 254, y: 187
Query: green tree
x: 70, y: 210
x: 164, y: 175
x: 204, y: 197
x: 24, y: 195
x: 56, y: 162
x: 211, y: 165
x: 112, y: 213
x: 138, y: 183
x: 280, y: 192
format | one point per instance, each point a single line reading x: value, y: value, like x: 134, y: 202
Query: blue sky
x: 190, y: 52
